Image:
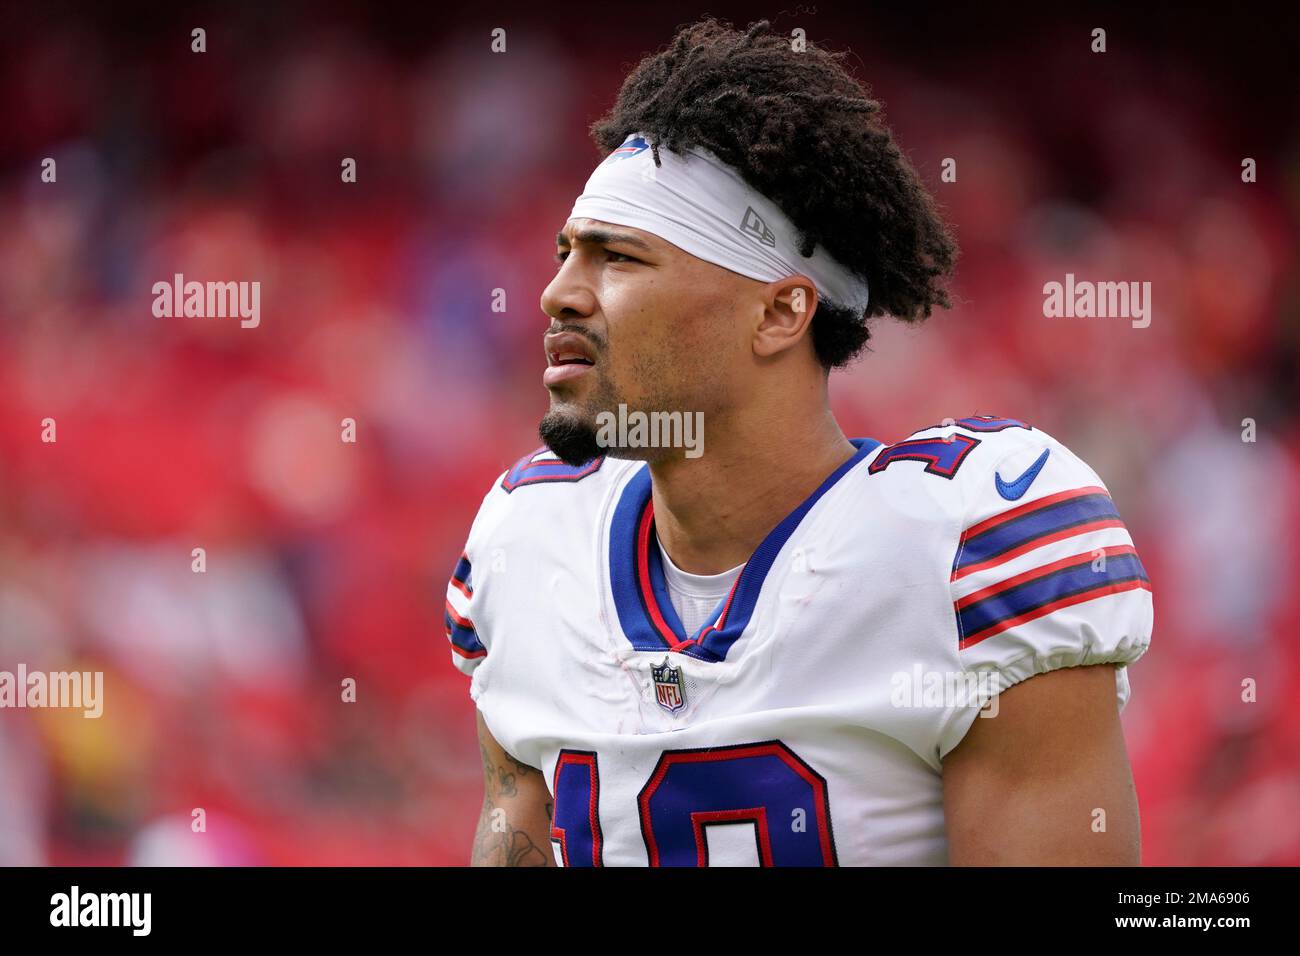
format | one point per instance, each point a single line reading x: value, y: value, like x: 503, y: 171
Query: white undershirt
x: 695, y: 596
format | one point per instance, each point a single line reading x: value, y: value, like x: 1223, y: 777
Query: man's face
x: 639, y: 322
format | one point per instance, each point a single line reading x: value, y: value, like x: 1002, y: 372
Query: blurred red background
x: 328, y: 560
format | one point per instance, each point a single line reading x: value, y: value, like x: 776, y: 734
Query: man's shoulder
x: 539, y: 491
x: 981, y: 459
x: 925, y: 491
x: 537, y: 516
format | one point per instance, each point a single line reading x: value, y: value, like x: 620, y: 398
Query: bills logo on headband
x: 631, y: 146
x: 670, y: 689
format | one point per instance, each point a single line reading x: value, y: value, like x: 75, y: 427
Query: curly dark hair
x: 805, y: 133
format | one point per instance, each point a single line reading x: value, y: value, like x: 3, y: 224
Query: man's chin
x: 571, y: 438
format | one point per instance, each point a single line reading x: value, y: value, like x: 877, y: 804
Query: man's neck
x: 712, y: 512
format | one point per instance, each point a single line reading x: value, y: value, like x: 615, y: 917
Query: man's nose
x: 567, y: 296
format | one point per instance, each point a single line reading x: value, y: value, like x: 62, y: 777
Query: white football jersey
x: 806, y: 721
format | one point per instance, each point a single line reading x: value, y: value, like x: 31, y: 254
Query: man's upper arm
x: 1046, y: 782
x: 1048, y: 596
x: 514, y: 828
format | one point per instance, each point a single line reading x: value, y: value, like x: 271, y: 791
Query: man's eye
x: 613, y: 256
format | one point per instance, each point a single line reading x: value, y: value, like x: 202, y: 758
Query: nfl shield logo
x: 670, y: 690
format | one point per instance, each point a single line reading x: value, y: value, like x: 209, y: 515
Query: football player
x: 789, y: 647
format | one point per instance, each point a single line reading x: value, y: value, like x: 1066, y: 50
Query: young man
x: 775, y: 651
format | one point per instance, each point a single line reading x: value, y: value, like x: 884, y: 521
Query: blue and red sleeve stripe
x: 460, y: 629
x: 1053, y: 518
x: 1042, y: 590
x: 461, y: 633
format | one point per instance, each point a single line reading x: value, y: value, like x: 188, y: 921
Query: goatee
x: 572, y: 440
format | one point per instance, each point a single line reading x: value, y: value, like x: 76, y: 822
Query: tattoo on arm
x: 497, y: 842
x: 509, y: 847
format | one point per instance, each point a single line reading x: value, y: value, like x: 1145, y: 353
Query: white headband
x: 703, y: 206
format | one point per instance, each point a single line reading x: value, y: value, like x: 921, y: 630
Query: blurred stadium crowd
x: 327, y: 560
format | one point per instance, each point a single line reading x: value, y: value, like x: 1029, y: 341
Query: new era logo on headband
x: 693, y: 200
x: 754, y: 225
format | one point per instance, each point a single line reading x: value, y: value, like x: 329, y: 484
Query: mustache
x: 593, y: 337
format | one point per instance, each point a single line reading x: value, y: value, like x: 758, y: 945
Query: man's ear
x: 788, y: 309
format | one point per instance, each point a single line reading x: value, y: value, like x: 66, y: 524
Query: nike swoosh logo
x: 1015, y: 490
